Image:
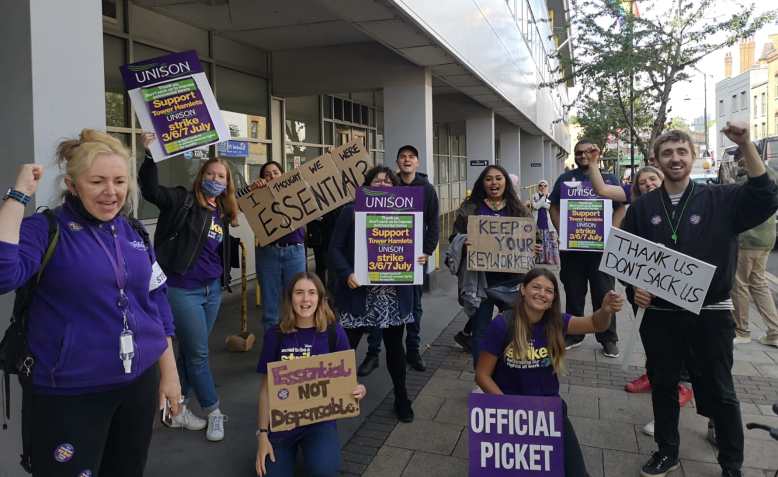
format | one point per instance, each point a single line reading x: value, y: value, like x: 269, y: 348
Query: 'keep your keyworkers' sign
x: 665, y: 273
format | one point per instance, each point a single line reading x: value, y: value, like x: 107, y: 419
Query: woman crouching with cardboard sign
x: 307, y: 328
x: 523, y: 349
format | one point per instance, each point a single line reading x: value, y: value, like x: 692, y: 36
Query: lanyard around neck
x: 119, y: 274
x: 674, y: 229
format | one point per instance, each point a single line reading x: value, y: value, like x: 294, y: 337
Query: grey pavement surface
x: 607, y: 419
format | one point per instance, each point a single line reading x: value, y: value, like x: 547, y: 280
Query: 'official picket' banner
x: 500, y: 244
x: 663, y: 272
x: 584, y: 217
x: 515, y: 436
x: 304, y: 194
x: 308, y: 390
x: 388, y: 235
x: 172, y: 97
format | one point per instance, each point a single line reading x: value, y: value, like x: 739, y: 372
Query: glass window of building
x: 116, y: 101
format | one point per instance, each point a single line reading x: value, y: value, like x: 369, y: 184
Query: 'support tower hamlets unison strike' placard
x: 306, y: 193
x: 665, y: 273
x: 584, y: 217
x: 388, y: 234
x: 309, y: 390
x: 516, y: 436
x: 173, y: 98
x: 500, y: 244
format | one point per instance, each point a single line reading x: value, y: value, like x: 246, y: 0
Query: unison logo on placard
x: 157, y: 71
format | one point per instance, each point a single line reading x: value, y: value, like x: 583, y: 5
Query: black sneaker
x: 731, y: 473
x: 403, y: 410
x: 610, y: 349
x: 573, y: 342
x: 659, y: 465
x: 414, y: 360
x: 368, y: 365
x: 463, y: 340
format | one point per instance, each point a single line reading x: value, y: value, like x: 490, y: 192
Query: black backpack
x: 15, y: 356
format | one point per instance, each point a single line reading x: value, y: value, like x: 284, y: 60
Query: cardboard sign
x: 172, y: 97
x: 516, y: 436
x: 306, y: 193
x: 500, y: 244
x: 665, y: 273
x: 309, y: 390
x: 388, y: 235
x: 584, y: 218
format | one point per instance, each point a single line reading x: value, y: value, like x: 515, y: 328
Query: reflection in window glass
x: 115, y: 99
x: 347, y: 111
x: 338, y: 108
x: 327, y: 136
x: 302, y: 120
x: 297, y: 155
x: 237, y: 91
x: 327, y: 106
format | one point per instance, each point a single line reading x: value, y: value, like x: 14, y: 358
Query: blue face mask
x: 213, y: 188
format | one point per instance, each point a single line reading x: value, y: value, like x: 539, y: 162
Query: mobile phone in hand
x: 165, y: 415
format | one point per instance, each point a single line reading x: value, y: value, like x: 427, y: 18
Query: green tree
x: 656, y: 51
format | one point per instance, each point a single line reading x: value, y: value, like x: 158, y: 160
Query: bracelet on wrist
x: 262, y: 430
x: 18, y: 196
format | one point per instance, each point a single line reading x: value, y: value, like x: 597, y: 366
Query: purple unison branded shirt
x: 303, y: 343
x: 531, y: 375
x: 208, y: 266
x: 74, y: 321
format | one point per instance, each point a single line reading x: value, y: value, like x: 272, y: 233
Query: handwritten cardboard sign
x: 306, y: 193
x: 585, y: 217
x: 516, y: 436
x: 663, y: 272
x: 309, y: 390
x: 172, y: 97
x: 500, y: 244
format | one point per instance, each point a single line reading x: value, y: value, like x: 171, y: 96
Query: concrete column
x: 408, y: 118
x: 53, y: 87
x: 479, y: 131
x: 510, y: 151
x: 548, y: 159
x: 533, y: 157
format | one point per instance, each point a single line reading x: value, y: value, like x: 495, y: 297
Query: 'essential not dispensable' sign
x: 172, y: 97
x: 306, y: 193
x: 584, y: 218
x: 308, y: 390
x: 388, y: 235
x: 663, y: 272
x: 500, y: 244
x: 515, y: 436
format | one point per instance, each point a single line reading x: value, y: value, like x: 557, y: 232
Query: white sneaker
x: 187, y: 420
x: 648, y: 429
x: 215, y: 431
x: 741, y: 340
x: 769, y: 341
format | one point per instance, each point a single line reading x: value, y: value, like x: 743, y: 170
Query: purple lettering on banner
x: 516, y: 436
x: 585, y: 217
x: 161, y: 69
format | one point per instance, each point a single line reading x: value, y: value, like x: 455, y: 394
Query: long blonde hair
x: 75, y: 157
x: 552, y: 318
x: 322, y: 318
x: 227, y: 202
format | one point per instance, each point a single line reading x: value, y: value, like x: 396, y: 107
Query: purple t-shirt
x: 298, y: 236
x: 208, y: 266
x: 627, y: 192
x: 531, y: 375
x: 303, y: 343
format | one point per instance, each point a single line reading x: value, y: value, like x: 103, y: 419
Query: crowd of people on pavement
x: 120, y: 323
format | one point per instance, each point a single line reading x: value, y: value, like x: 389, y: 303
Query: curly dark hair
x: 374, y: 171
x: 512, y: 202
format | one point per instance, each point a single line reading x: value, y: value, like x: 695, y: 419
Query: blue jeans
x: 412, y: 338
x: 275, y: 268
x: 195, y: 312
x: 321, y: 453
x: 481, y: 320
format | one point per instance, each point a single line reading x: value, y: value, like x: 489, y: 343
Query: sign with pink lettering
x: 309, y: 390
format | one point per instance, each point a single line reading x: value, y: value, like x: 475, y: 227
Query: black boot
x: 403, y: 410
x: 368, y: 365
x: 414, y: 360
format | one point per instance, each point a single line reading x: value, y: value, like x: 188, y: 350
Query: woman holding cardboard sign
x: 523, y: 349
x: 279, y: 261
x: 307, y: 328
x: 493, y: 194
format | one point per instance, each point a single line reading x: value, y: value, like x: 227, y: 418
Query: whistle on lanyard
x: 126, y: 350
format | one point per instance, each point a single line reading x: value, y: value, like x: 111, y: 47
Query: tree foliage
x: 659, y: 48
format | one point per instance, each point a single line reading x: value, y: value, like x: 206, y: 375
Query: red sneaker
x: 639, y: 385
x: 684, y: 395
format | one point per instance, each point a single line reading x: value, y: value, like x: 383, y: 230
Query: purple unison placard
x: 389, y: 199
x: 515, y: 436
x: 586, y: 217
x: 161, y: 69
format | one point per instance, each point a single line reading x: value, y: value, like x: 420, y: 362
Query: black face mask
x: 77, y: 207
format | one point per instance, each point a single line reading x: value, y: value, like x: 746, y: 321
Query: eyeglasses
x: 588, y: 151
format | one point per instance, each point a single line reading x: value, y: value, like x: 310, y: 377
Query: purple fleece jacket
x: 75, y: 322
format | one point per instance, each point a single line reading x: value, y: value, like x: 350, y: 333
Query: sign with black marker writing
x: 663, y: 272
x: 500, y: 244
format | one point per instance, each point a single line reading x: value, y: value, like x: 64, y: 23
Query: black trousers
x: 704, y: 342
x: 98, y: 434
x: 395, y: 355
x: 578, y: 272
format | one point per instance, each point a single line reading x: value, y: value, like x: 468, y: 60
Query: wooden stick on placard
x: 632, y: 339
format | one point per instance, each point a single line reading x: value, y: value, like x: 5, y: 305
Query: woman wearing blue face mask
x: 193, y: 248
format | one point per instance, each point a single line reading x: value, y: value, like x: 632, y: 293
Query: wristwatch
x: 261, y: 430
x: 14, y: 194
